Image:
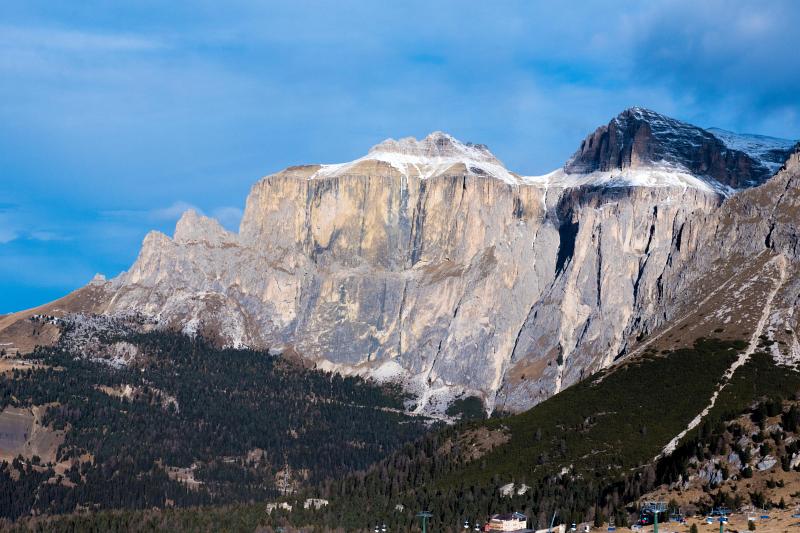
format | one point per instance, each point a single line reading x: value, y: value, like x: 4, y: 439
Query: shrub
x: 469, y: 408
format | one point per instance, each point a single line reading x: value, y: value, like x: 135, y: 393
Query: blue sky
x: 116, y: 116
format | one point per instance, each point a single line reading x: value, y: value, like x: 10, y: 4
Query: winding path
x: 742, y: 359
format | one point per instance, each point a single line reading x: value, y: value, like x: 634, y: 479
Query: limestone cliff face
x: 732, y: 259
x: 431, y: 263
x: 430, y: 279
x: 614, y: 249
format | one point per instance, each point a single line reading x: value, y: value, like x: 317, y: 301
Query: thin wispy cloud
x: 7, y: 234
x: 228, y: 216
x: 172, y: 212
x: 46, y: 236
x: 23, y: 224
x: 54, y: 39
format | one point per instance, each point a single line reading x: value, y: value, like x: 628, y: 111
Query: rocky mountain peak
x: 98, y: 279
x: 435, y: 145
x: 194, y: 227
x: 642, y: 138
x: 437, y: 154
x: 648, y: 115
x: 793, y: 162
x: 639, y: 137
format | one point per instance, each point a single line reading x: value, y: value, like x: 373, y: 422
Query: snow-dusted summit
x: 435, y: 155
x: 637, y: 148
x: 641, y: 139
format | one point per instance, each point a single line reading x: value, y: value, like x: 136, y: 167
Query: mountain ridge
x: 386, y: 266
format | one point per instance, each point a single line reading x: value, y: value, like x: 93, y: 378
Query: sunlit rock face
x: 431, y: 263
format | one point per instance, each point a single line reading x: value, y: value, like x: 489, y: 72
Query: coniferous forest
x: 578, y: 455
x: 190, y: 424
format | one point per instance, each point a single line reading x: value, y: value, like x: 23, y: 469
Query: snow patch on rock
x: 426, y: 158
x: 769, y: 151
x: 388, y: 371
x: 656, y: 176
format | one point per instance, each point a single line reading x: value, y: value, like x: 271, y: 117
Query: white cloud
x: 7, y: 235
x: 228, y: 216
x: 8, y: 231
x: 160, y: 214
x: 172, y: 212
x: 46, y: 236
x: 14, y: 228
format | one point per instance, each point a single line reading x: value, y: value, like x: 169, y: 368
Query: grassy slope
x: 610, y: 423
x: 603, y: 429
x: 759, y: 378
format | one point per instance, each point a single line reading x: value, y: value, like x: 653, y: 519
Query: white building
x: 507, y: 489
x: 316, y: 503
x: 508, y: 522
x: 282, y: 505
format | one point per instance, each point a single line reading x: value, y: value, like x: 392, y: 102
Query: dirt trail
x: 780, y: 262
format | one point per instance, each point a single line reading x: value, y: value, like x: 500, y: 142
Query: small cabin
x: 8, y: 351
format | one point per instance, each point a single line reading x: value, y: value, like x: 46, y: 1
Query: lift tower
x: 423, y: 516
x: 655, y: 507
x: 722, y: 513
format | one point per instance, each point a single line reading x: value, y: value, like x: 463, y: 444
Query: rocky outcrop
x: 430, y: 263
x: 642, y: 138
x: 728, y: 258
x: 391, y: 274
x: 614, y: 249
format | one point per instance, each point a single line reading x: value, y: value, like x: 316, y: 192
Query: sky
x: 115, y: 117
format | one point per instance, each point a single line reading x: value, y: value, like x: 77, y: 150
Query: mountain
x: 428, y: 262
x: 640, y: 138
